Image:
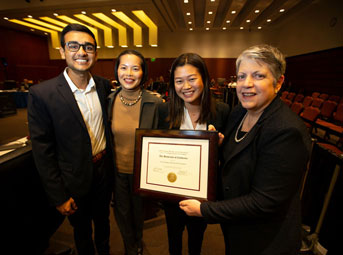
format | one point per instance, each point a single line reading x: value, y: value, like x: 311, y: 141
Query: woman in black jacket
x: 265, y: 150
x: 190, y: 108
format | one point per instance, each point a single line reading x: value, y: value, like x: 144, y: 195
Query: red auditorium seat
x: 284, y: 94
x: 299, y: 98
x: 324, y: 96
x: 291, y: 96
x: 297, y: 107
x: 338, y: 115
x: 334, y: 98
x: 317, y: 102
x: 307, y: 101
x: 315, y: 94
x: 335, y: 128
x: 287, y: 102
x: 310, y: 115
x: 327, y: 109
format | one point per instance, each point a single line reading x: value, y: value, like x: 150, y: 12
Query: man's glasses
x: 75, y: 46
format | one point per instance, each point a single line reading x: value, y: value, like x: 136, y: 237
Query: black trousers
x: 177, y: 220
x: 129, y: 213
x: 94, y: 208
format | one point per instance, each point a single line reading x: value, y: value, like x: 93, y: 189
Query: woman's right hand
x: 220, y: 135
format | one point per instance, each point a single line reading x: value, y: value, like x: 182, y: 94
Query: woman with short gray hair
x: 265, y: 151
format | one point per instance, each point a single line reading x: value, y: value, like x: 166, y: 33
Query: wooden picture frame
x: 174, y: 165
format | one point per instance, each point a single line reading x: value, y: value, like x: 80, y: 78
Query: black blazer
x: 261, y: 176
x: 60, y: 141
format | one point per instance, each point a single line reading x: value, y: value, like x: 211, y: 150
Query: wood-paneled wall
x: 320, y: 71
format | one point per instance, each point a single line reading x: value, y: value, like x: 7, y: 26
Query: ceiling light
x: 191, y: 29
x: 208, y: 22
x: 154, y: 45
x: 248, y: 20
x: 107, y: 31
x: 137, y: 30
x: 188, y: 13
x: 213, y: 0
x: 259, y: 28
x: 185, y: 1
x: 44, y: 24
x: 241, y: 28
x: 139, y: 45
x: 228, y: 21
x: 121, y: 29
x: 210, y: 13
x: 189, y: 22
x: 224, y: 28
x: 5, y: 18
x: 113, y: 10
x: 150, y: 24
x: 55, y: 14
x: 282, y: 10
x: 83, y: 12
x: 45, y: 33
x: 110, y: 46
x: 269, y: 20
x: 257, y: 11
x: 29, y: 16
x: 207, y: 28
x: 54, y: 34
x: 70, y: 20
x: 124, y: 46
x: 53, y: 21
x: 233, y: 12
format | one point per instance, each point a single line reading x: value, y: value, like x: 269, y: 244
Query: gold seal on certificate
x: 171, y: 177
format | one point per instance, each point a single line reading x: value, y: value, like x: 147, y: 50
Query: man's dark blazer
x: 261, y: 176
x: 60, y: 141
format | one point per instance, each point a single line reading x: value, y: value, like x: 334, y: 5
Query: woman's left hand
x: 191, y: 207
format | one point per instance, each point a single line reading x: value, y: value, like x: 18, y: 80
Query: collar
x: 74, y: 88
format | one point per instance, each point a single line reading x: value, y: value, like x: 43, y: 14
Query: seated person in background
x: 264, y: 153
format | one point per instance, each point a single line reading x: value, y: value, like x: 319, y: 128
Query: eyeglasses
x: 75, y: 46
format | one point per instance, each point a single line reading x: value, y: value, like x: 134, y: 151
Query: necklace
x: 239, y: 127
x: 130, y: 103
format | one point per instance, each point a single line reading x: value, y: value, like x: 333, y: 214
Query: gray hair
x: 267, y: 54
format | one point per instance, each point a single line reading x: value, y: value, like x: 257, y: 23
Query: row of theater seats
x: 319, y: 111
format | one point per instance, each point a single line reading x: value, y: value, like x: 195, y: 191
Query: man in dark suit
x: 70, y: 141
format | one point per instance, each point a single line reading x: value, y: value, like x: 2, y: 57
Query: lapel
x: 65, y: 91
x: 101, y: 93
x: 110, y: 101
x: 237, y: 117
x: 147, y: 111
x: 234, y: 121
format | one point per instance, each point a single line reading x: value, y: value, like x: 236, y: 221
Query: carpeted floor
x: 155, y: 240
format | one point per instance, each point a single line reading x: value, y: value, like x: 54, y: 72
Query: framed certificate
x: 176, y: 164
